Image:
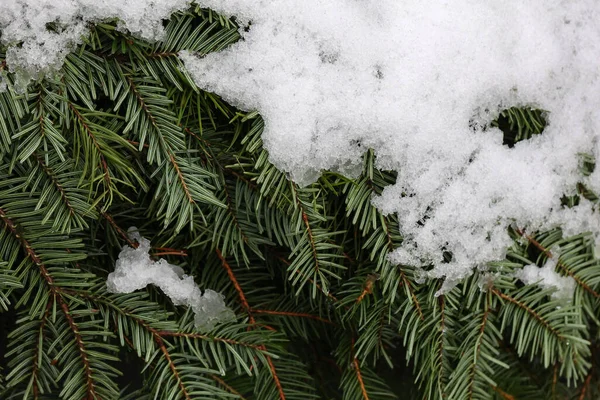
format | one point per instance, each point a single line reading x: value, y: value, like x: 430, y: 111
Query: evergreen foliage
x: 123, y: 137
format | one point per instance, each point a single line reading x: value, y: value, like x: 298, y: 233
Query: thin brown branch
x: 57, y: 294
x: 172, y: 366
x: 328, y: 294
x: 48, y: 171
x: 141, y: 102
x: 237, y: 286
x: 503, y: 394
x: 191, y: 133
x: 406, y: 282
x: 309, y: 232
x: 88, y: 130
x: 366, y: 290
x: 163, y: 54
x: 117, y: 228
x: 166, y: 251
x: 529, y: 310
x: 165, y: 147
x: 442, y: 330
x: 133, y: 142
x: 246, y: 306
x: 226, y: 386
x: 158, y: 339
x: 91, y: 392
x: 231, y: 208
x: 585, y: 386
x: 356, y: 367
x: 181, y: 178
x: 554, y: 380
x: 276, y: 378
x: 158, y: 251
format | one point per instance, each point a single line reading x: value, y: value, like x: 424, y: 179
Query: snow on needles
x: 417, y: 82
x: 135, y: 270
x: 547, y: 278
x: 43, y: 51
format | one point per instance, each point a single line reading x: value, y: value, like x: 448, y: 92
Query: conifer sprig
x: 123, y: 137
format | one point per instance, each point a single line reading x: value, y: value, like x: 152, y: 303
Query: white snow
x: 410, y: 79
x: 547, y: 278
x: 416, y: 81
x: 135, y: 270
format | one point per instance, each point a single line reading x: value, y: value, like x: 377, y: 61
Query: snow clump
x: 547, y: 278
x: 420, y: 83
x: 135, y: 270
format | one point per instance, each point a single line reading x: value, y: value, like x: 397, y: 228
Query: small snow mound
x: 135, y: 270
x: 547, y: 278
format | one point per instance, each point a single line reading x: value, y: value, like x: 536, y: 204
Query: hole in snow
x: 327, y: 57
x: 587, y: 164
x: 447, y: 256
x: 378, y: 72
x: 519, y: 123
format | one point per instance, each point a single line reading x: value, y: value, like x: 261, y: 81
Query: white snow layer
x: 416, y: 81
x: 135, y: 270
x: 547, y: 278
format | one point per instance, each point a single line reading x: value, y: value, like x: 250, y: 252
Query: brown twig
x: 48, y: 171
x: 158, y: 339
x: 503, y: 394
x: 359, y: 377
x: 585, y: 386
x: 248, y: 310
x: 311, y: 238
x: 529, y: 310
x: 88, y: 130
x: 56, y: 294
x: 226, y: 386
x: 117, y: 228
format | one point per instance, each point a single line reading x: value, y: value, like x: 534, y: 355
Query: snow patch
x: 135, y: 270
x: 410, y: 80
x: 547, y: 278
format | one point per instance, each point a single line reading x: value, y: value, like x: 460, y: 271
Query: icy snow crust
x: 417, y: 82
x: 135, y: 270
